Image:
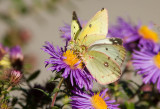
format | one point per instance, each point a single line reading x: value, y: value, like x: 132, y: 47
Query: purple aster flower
x: 70, y: 64
x: 99, y: 100
x: 147, y: 62
x: 132, y: 34
x: 16, y: 54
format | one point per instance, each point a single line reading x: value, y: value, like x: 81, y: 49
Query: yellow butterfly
x: 102, y: 56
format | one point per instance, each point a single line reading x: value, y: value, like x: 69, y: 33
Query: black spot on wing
x: 106, y: 64
x: 90, y: 25
x: 116, y: 41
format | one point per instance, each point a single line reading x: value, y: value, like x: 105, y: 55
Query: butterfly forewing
x: 75, y: 27
x: 98, y: 25
x: 104, y: 70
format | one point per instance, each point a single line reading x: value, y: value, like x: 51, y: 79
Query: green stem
x: 55, y: 95
x: 9, y: 88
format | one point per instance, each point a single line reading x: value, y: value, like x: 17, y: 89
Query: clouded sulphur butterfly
x: 102, y: 56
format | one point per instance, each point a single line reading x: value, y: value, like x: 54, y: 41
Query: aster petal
x: 66, y: 72
x: 156, y: 75
x: 158, y: 84
x: 103, y: 93
x: 71, y: 77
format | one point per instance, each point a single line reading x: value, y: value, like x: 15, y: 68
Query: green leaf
x: 55, y: 107
x: 52, y: 79
x: 59, y: 97
x: 47, y: 94
x: 129, y: 105
x: 33, y: 76
x: 55, y: 90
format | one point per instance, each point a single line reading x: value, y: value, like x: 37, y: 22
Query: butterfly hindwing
x: 112, y: 47
x: 103, y: 69
x: 98, y: 25
x: 75, y: 27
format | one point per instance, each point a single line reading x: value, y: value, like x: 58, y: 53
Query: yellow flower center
x: 157, y: 60
x: 72, y: 59
x: 98, y: 102
x: 147, y: 33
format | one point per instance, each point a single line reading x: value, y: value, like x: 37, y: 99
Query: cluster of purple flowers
x: 8, y: 63
x: 139, y: 39
x: 144, y: 45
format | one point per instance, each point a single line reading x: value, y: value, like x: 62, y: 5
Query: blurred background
x: 32, y: 22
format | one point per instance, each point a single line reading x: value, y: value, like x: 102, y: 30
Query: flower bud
x: 15, y: 77
x: 16, y: 57
x: 16, y: 53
